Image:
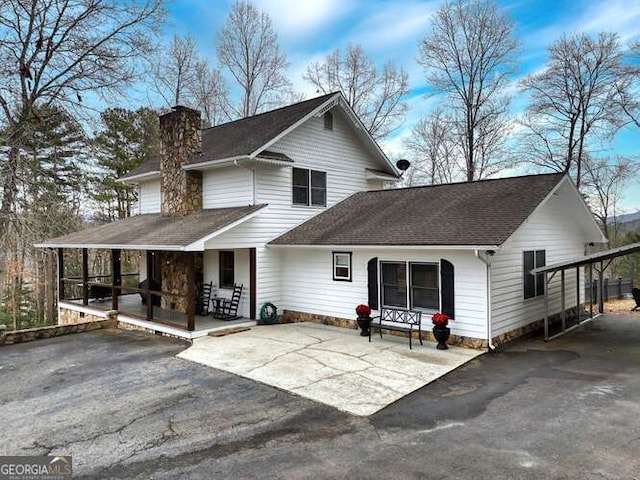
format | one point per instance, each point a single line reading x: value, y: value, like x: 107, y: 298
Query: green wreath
x: 268, y: 314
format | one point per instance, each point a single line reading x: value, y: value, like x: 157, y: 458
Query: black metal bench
x: 399, y: 320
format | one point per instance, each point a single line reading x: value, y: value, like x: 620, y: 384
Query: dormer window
x: 328, y: 121
x: 309, y: 187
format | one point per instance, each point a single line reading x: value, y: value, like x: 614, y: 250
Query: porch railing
x: 161, y: 307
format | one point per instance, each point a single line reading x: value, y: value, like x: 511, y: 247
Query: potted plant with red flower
x: 440, y: 330
x: 364, y: 318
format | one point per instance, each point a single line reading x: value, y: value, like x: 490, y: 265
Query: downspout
x: 236, y: 163
x: 486, y: 259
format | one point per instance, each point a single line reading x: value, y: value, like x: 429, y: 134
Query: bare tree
x: 432, y: 149
x: 376, y: 96
x: 210, y: 93
x: 248, y: 48
x: 469, y: 55
x: 53, y: 53
x: 491, y: 152
x: 575, y: 99
x: 175, y: 69
x: 627, y: 97
x: 603, y: 181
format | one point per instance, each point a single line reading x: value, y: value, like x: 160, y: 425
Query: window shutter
x: 528, y: 261
x: 372, y: 279
x: 540, y: 262
x: 447, y: 295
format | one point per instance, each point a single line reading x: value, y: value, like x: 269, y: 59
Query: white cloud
x: 621, y: 16
x: 392, y: 25
x: 299, y: 18
x: 612, y: 16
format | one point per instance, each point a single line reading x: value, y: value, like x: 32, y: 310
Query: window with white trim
x: 309, y: 187
x: 533, y: 284
x: 342, y: 266
x: 413, y: 285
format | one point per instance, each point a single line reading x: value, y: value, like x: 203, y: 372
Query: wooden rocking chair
x: 204, y: 297
x: 229, y: 306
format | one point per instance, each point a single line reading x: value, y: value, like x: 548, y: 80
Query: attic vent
x: 328, y: 121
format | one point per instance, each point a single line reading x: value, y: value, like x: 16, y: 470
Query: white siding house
x: 337, y: 152
x: 483, y: 229
x: 257, y: 177
x: 308, y: 286
x: 561, y: 227
x: 272, y: 202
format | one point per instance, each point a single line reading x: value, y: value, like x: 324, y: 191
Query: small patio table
x: 216, y: 303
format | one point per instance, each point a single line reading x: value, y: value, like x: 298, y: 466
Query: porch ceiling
x: 155, y: 231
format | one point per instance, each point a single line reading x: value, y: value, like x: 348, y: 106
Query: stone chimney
x: 181, y: 139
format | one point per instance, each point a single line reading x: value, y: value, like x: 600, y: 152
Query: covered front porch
x: 133, y: 313
x: 156, y: 270
x: 182, y: 290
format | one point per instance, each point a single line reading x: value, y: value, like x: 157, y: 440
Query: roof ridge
x: 465, y: 182
x: 327, y: 95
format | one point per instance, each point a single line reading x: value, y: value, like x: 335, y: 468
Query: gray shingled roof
x: 149, y: 166
x: 154, y: 230
x: 243, y: 137
x: 472, y: 213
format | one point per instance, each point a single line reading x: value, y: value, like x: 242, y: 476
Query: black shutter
x: 447, y: 294
x: 372, y: 282
x: 528, y: 261
x: 540, y: 262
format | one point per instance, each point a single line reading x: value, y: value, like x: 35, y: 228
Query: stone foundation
x: 533, y: 327
x: 137, y: 328
x: 21, y: 336
x: 290, y: 316
x: 70, y: 317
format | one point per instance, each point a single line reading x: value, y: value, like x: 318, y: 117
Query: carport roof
x: 589, y: 259
x: 154, y: 231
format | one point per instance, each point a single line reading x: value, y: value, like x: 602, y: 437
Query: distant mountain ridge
x: 628, y: 217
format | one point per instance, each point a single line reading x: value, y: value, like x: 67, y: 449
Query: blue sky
x: 391, y: 30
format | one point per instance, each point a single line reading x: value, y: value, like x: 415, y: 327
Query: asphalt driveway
x: 125, y: 407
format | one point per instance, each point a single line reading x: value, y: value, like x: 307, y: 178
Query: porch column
x: 562, y: 299
x: 191, y: 291
x: 546, y: 306
x: 148, y: 289
x: 116, y: 277
x: 591, y: 290
x: 252, y: 283
x: 578, y: 290
x: 600, y: 287
x: 60, y: 274
x: 85, y: 277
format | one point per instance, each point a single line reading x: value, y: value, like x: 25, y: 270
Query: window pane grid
x: 342, y: 266
x: 425, y: 286
x: 309, y: 187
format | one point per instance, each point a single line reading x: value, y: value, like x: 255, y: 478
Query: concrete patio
x: 330, y: 365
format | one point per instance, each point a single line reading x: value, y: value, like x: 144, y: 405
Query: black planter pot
x: 364, y: 323
x: 442, y: 335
